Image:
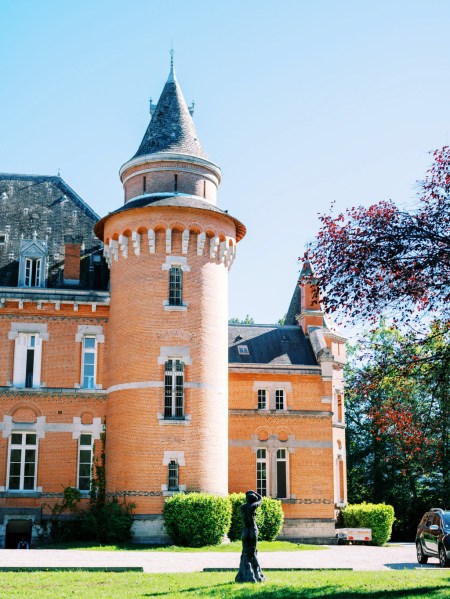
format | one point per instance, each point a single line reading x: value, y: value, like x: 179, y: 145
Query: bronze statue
x: 249, y: 569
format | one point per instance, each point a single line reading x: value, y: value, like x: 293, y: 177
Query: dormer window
x: 32, y: 262
x: 243, y: 350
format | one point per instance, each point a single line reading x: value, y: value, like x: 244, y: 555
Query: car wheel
x: 443, y: 561
x: 421, y: 557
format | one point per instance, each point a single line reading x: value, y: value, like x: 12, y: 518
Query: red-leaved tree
x: 371, y: 260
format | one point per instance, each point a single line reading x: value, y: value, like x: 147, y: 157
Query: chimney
x: 72, y: 263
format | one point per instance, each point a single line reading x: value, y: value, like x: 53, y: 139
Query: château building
x: 119, y: 325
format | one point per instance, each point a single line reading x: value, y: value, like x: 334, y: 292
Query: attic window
x: 243, y: 350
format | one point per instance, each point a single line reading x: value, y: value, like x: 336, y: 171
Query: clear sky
x: 300, y: 103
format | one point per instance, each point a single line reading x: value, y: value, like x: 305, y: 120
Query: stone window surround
x: 177, y: 456
x: 174, y: 352
x: 86, y: 330
x: 271, y: 468
x: 181, y: 262
x: 40, y: 330
x: 8, y: 426
x: 271, y: 387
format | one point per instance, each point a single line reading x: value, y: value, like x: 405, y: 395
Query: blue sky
x: 300, y: 103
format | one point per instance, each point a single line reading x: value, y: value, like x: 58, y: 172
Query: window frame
x: 280, y: 393
x: 175, y: 296
x: 176, y: 477
x: 94, y: 351
x: 261, y: 392
x: 82, y: 447
x: 22, y: 447
x: 284, y: 460
x: 262, y: 474
x: 173, y: 389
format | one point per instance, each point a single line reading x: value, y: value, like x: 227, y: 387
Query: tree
x: 247, y: 320
x: 370, y: 260
x: 398, y: 422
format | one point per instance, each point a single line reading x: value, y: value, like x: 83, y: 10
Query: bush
x: 379, y: 517
x: 197, y: 519
x: 272, y: 519
x: 269, y: 518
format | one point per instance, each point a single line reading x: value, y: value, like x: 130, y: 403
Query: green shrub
x: 269, y: 517
x: 272, y: 519
x: 377, y: 516
x: 197, y: 519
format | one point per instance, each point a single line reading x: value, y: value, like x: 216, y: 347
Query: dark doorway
x: 15, y: 531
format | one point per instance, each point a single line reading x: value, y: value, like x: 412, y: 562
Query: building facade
x: 119, y: 325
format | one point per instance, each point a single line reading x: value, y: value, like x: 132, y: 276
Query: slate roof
x: 58, y: 182
x: 269, y: 344
x: 171, y: 128
x: 294, y: 307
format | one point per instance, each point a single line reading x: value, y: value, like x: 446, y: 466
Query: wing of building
x: 125, y: 330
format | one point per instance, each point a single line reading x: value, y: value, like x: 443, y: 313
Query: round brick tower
x: 169, y: 249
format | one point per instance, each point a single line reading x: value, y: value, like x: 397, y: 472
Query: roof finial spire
x: 172, y: 76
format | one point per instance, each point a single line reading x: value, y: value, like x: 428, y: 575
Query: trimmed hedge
x: 197, y: 519
x: 269, y: 518
x: 377, y: 516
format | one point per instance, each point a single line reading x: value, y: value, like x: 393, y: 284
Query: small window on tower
x: 175, y: 183
x: 175, y: 286
x: 2, y: 239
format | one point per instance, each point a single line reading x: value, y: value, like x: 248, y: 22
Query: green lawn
x: 234, y: 547
x: 401, y: 584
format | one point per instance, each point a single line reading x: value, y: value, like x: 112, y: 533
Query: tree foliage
x: 398, y: 422
x: 370, y: 260
x: 247, y: 320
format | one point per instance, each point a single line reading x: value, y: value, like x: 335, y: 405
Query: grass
x: 401, y: 584
x: 234, y: 547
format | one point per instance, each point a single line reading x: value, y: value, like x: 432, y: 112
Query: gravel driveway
x: 357, y: 557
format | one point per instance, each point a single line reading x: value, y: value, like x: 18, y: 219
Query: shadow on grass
x: 266, y: 591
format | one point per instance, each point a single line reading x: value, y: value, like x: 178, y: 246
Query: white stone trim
x: 87, y: 330
x: 8, y: 426
x: 136, y: 385
x: 96, y: 428
x: 185, y: 241
x: 28, y: 327
x: 136, y: 239
x: 123, y: 244
x: 201, y: 238
x: 214, y: 245
x: 178, y: 456
x: 151, y: 241
x: 175, y: 352
x: 114, y: 246
x: 169, y: 308
x: 180, y: 261
x: 168, y: 241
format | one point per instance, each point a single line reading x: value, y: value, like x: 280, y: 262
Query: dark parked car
x: 433, y: 537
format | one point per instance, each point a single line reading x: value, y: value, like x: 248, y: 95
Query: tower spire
x: 172, y: 77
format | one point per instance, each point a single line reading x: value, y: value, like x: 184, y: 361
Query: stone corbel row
x: 221, y: 250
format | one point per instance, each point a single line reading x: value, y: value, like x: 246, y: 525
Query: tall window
x: 33, y: 267
x: 261, y: 399
x: 29, y: 365
x: 261, y: 471
x: 175, y: 286
x: 173, y: 476
x: 89, y: 362
x: 85, y: 455
x: 22, y: 462
x: 279, y: 399
x: 174, y: 389
x: 281, y: 474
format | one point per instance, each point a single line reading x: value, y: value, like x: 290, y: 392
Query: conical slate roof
x: 171, y: 128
